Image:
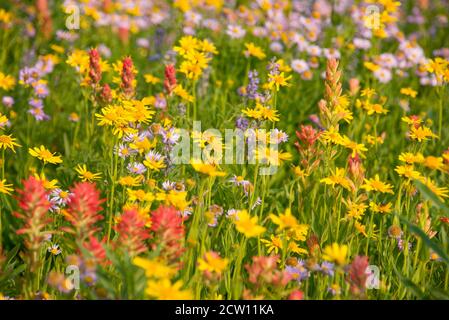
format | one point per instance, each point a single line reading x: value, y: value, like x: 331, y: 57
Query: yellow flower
x: 139, y: 195
x: 331, y: 135
x: 45, y: 155
x: 408, y: 172
x: 207, y: 168
x: 409, y: 92
x: 8, y: 142
x: 336, y: 253
x: 154, y: 161
x: 411, y: 158
x: 421, y: 133
x: 248, y: 225
x: 355, y: 210
x: 129, y: 181
x: 338, y: 178
x: 86, y: 175
x: 441, y: 192
x: 149, y: 78
x: 183, y: 94
x: 368, y: 92
x: 253, y: 50
x: 361, y: 228
x: 380, y: 208
x: 4, y: 187
x: 373, y: 108
x: 48, y: 184
x: 285, y: 220
x: 212, y: 263
x: 278, y: 80
x: 357, y: 148
x: 377, y: 185
x: 274, y: 244
x: 163, y: 289
x: 434, y: 163
x: 7, y: 82
x: 154, y: 268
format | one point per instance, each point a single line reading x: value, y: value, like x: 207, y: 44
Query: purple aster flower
x: 8, y: 101
x: 41, y: 90
x: 36, y: 103
x: 39, y: 114
x: 327, y: 268
x: 136, y: 168
x: 170, y: 136
x: 242, y: 123
x: 298, y: 272
x: 253, y: 85
x: 28, y: 75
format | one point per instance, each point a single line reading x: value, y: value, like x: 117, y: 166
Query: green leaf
x: 431, y: 244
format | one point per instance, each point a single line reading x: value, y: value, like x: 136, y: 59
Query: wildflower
x: 34, y: 205
x: 358, y: 276
x: 253, y: 50
x: 336, y: 253
x: 86, y: 175
x: 235, y: 31
x: 154, y: 268
x: 136, y: 168
x: 248, y: 225
x: 183, y: 94
x: 263, y: 271
x: 163, y: 289
x: 127, y: 75
x: 377, y: 185
x: 278, y: 80
x: 298, y: 272
x: 5, y: 188
x: 45, y: 155
x: 411, y: 158
x: 8, y: 142
x: 441, y: 192
x: 212, y: 263
x: 129, y: 181
x: 327, y: 268
x: 355, y: 210
x: 334, y: 289
x: 169, y: 231
x: 395, y: 232
x: 54, y: 250
x: 409, y: 92
x: 296, y: 295
x: 207, y: 168
x: 95, y: 68
x: 434, y: 163
x: 149, y: 78
x: 338, y: 178
x: 83, y: 210
x: 170, y: 78
x: 408, y: 172
x: 132, y: 233
x: 154, y: 161
x: 7, y: 82
x: 421, y: 133
x: 284, y: 221
x: 380, y: 208
x: 273, y: 245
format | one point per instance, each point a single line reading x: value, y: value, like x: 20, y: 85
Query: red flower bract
x: 127, y: 77
x: 33, y: 200
x: 132, y: 233
x: 94, y: 64
x: 83, y: 210
x: 170, y: 78
x: 169, y: 231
